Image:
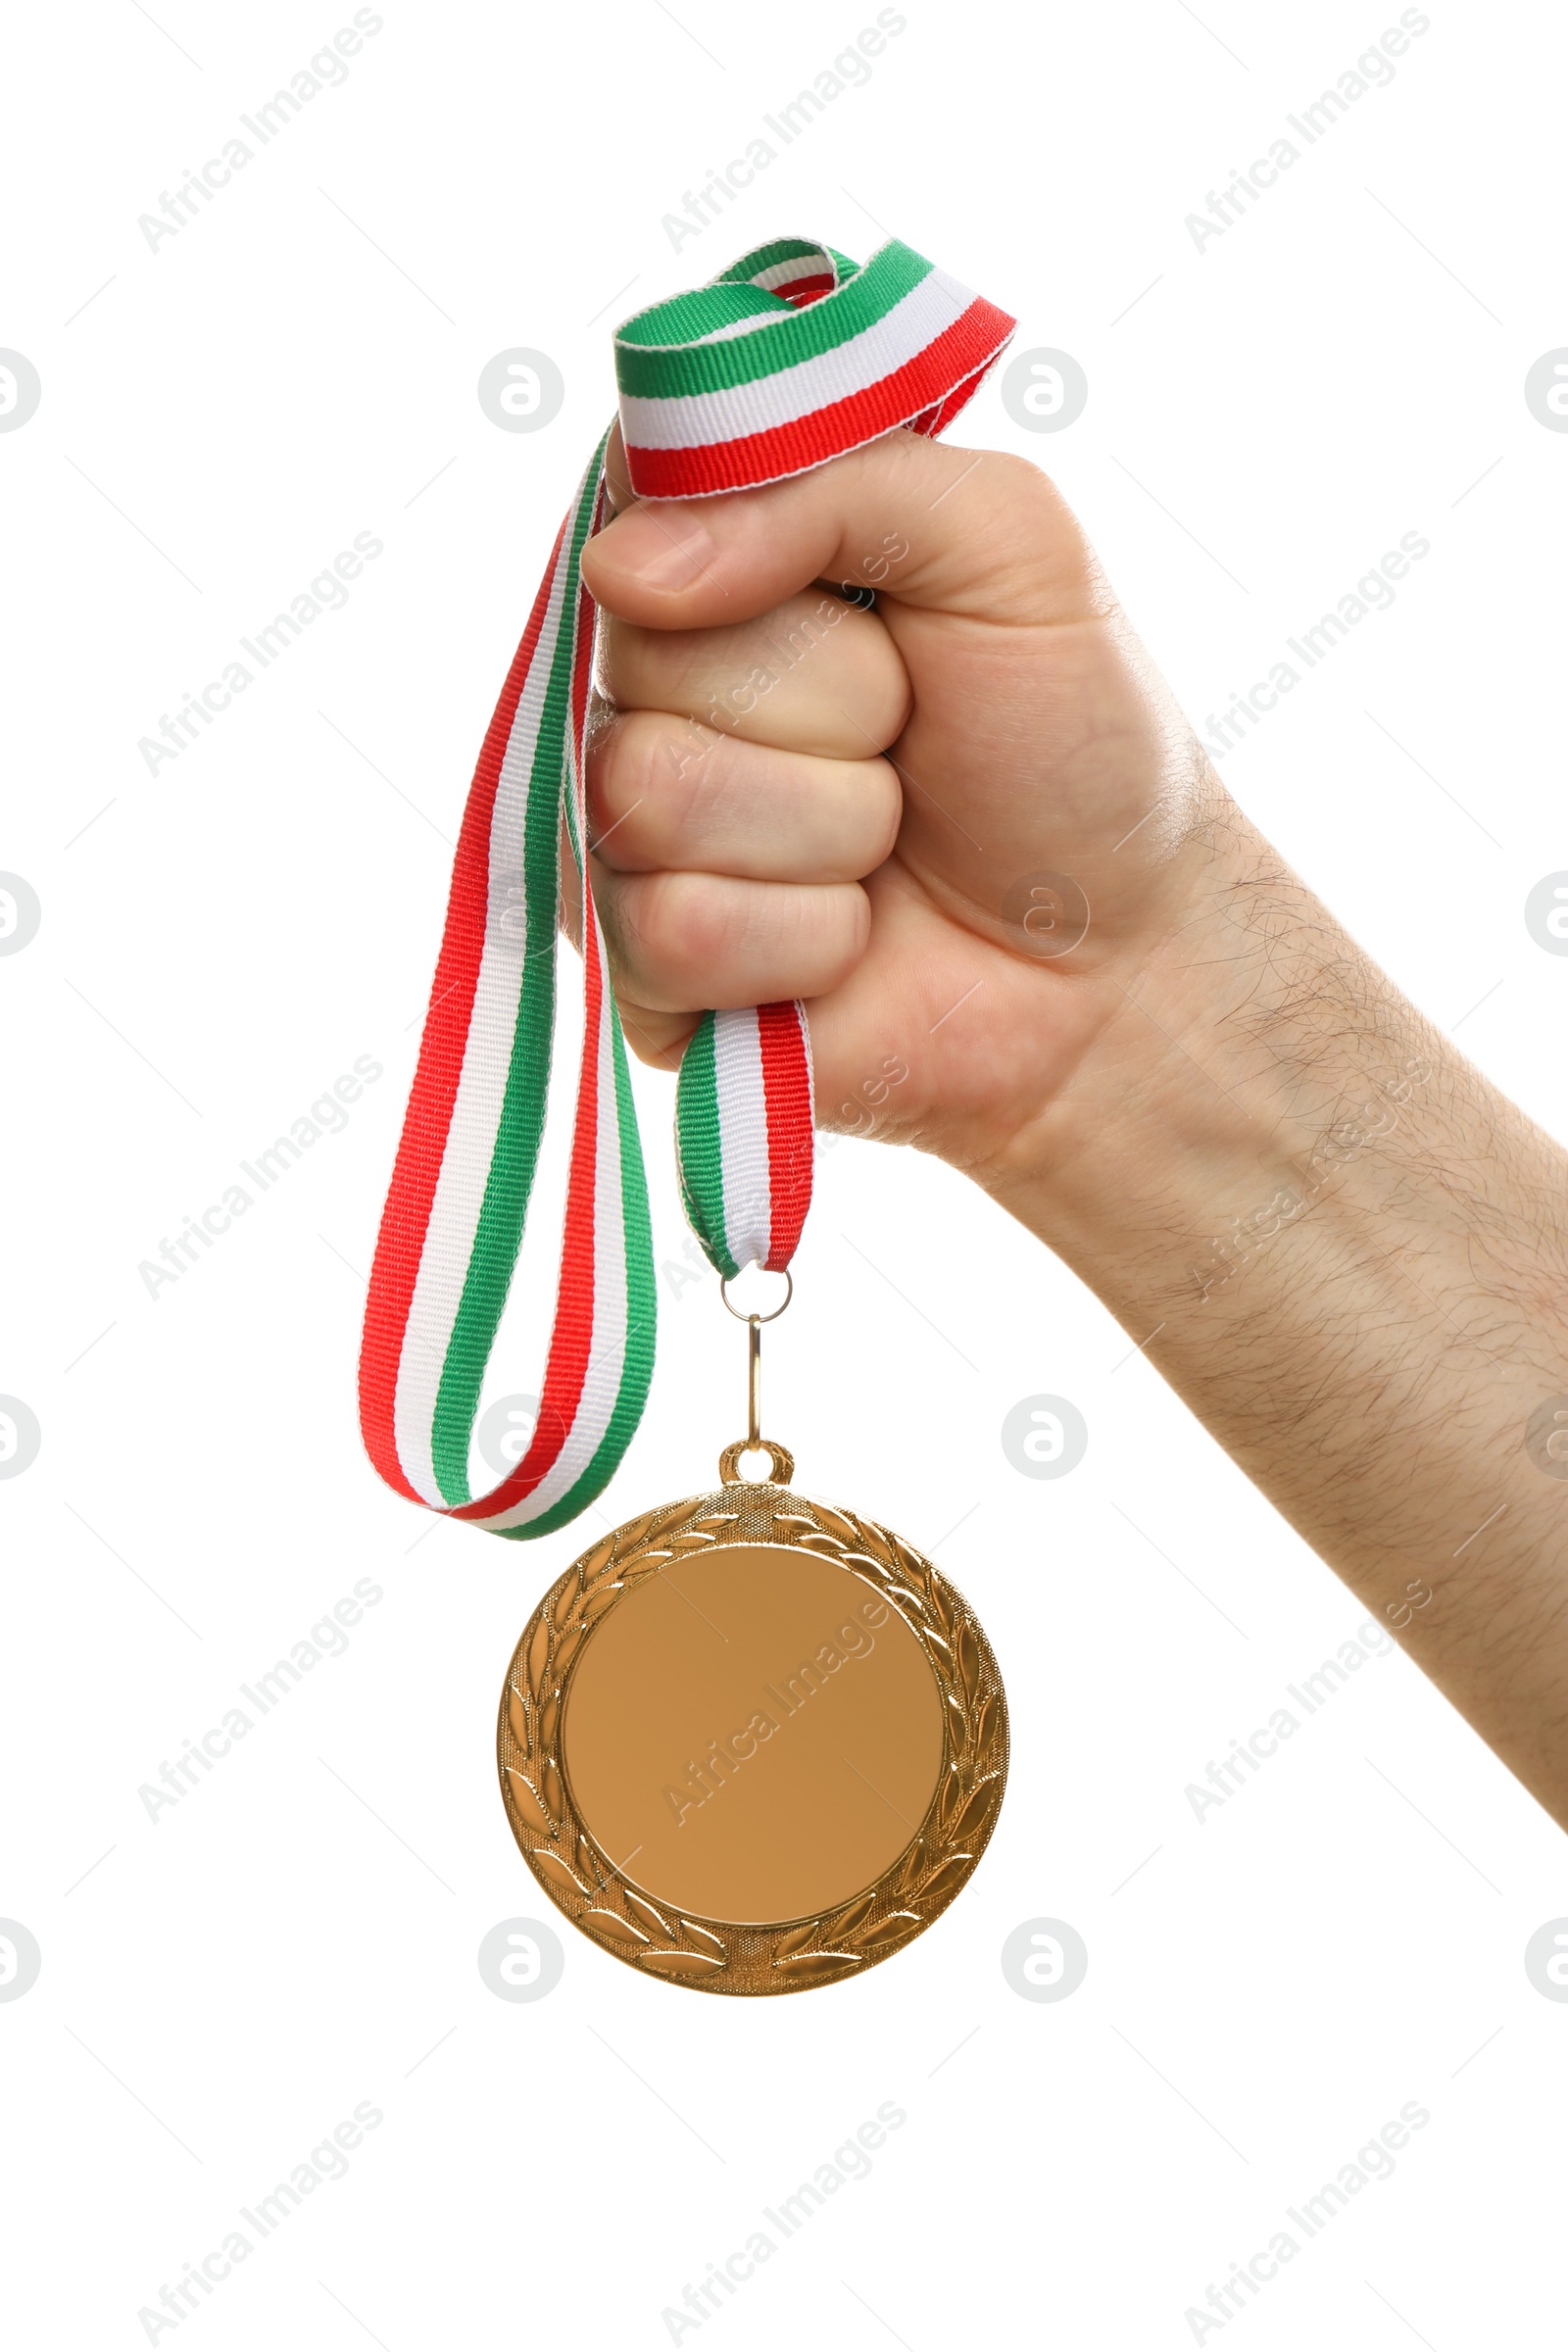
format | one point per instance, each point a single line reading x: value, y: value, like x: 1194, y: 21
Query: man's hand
x: 752, y: 844
x: 1037, y: 937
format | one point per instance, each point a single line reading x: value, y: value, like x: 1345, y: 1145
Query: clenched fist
x: 951, y: 824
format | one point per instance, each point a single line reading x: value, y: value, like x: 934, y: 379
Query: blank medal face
x: 752, y: 1742
x: 753, y: 1735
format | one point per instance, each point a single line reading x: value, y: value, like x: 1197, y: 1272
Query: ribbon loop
x: 793, y: 356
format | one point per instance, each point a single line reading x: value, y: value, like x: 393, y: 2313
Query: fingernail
x: 668, y: 549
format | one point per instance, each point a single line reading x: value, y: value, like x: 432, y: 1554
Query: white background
x: 221, y: 940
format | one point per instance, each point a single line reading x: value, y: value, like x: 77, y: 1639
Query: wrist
x: 1248, y: 1053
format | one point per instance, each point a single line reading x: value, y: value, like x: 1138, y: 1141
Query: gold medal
x: 751, y: 1743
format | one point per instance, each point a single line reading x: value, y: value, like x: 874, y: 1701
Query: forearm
x: 1348, y: 1254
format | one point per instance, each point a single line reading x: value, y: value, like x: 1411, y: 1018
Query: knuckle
x: 1020, y: 478
x: 1038, y: 536
x: 645, y: 771
x: 686, y: 922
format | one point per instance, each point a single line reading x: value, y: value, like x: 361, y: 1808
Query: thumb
x: 973, y: 532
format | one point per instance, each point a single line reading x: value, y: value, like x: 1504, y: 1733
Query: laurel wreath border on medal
x: 711, y: 1955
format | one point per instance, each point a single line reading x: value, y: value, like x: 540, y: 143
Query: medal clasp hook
x: 782, y: 1462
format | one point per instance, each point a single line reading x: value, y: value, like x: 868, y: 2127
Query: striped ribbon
x: 793, y: 356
